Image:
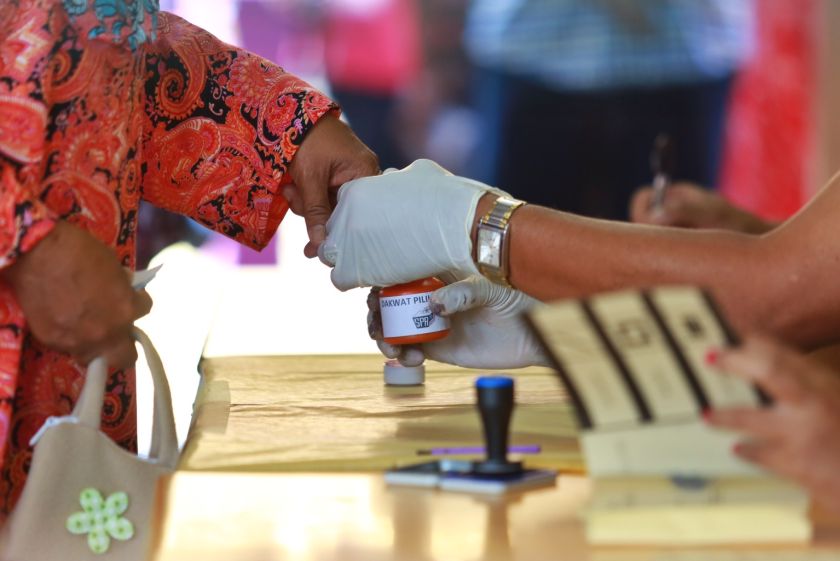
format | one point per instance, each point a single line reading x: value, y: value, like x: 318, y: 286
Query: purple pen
x: 467, y: 450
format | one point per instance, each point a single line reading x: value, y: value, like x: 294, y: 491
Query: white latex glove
x: 402, y: 226
x: 487, y: 328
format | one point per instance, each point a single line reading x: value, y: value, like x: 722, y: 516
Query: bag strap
x: 88, y: 408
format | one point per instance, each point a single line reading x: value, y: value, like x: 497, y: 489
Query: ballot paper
x: 633, y: 364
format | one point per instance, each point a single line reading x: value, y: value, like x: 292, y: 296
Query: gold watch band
x: 492, y: 252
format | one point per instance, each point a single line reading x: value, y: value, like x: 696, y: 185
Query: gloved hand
x: 402, y: 226
x: 487, y: 328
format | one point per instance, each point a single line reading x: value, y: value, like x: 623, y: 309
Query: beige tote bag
x: 86, y: 498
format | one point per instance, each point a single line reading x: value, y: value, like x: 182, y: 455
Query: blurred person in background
x: 397, y: 67
x: 369, y: 53
x: 434, y: 117
x: 572, y: 93
x: 372, y: 57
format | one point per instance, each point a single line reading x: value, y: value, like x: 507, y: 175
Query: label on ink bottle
x: 410, y: 314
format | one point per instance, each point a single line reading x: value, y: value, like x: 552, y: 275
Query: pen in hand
x: 662, y: 166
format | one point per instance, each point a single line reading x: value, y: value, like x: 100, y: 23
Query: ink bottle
x: 407, y: 316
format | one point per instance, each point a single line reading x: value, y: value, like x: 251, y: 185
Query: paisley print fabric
x: 88, y: 128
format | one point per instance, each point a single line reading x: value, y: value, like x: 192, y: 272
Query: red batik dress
x: 99, y: 111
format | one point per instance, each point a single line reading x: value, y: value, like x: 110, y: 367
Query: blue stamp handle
x: 491, y: 382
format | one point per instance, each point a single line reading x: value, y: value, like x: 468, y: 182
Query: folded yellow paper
x: 644, y: 510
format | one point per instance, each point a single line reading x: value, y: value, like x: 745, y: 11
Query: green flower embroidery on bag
x: 101, y: 519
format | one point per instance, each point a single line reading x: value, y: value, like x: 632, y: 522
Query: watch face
x: 489, y: 247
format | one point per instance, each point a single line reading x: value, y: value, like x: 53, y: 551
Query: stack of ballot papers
x: 634, y: 366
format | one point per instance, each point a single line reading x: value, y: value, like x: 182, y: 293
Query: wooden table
x: 285, y: 457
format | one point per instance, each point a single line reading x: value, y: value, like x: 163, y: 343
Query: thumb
x: 472, y: 292
x: 328, y: 253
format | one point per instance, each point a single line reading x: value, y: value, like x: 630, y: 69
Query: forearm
x: 762, y: 283
x: 580, y: 256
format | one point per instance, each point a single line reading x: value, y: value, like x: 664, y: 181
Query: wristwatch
x: 492, y: 246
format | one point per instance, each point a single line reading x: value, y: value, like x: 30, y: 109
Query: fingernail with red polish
x: 712, y: 357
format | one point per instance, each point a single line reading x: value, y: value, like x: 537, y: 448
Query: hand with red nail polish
x: 798, y: 437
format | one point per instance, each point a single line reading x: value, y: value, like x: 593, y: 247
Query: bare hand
x: 689, y: 206
x: 330, y: 156
x: 77, y: 298
x: 797, y: 436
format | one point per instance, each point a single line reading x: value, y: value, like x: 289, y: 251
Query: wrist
x: 491, y: 249
x: 315, y: 134
x: 31, y: 249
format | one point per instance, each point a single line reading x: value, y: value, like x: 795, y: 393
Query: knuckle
x: 374, y: 330
x: 51, y: 334
x: 64, y: 320
x: 142, y: 304
x: 97, y: 333
x: 63, y: 340
x: 773, y: 361
x: 371, y: 161
x: 373, y: 301
x: 124, y: 309
x: 316, y: 216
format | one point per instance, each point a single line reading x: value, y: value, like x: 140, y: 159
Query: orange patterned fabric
x: 97, y: 113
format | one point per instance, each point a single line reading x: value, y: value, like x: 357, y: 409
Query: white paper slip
x: 144, y: 277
